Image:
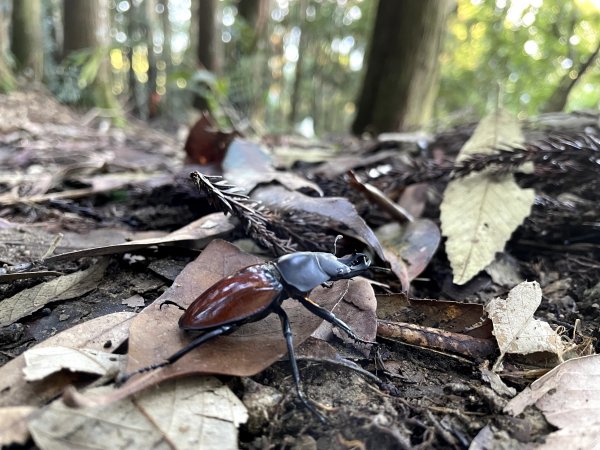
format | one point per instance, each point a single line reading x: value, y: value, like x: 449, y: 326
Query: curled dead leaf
x: 515, y: 328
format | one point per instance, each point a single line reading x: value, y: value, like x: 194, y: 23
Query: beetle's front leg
x: 332, y: 319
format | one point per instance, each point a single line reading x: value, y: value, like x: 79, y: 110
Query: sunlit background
x: 310, y: 58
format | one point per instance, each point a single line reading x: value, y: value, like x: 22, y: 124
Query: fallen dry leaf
x: 135, y: 301
x: 491, y: 437
x: 249, y: 164
x: 375, y: 195
x: 496, y: 383
x: 63, y: 288
x: 190, y: 413
x: 336, y: 210
x: 569, y: 398
x: 154, y: 333
x: 206, y: 143
x: 103, y: 333
x: 24, y: 243
x: 357, y: 309
x: 196, y: 235
x: 515, y: 328
x: 479, y: 212
x: 342, y: 164
x: 457, y: 317
x: 40, y: 362
x: 409, y: 248
x: 14, y: 425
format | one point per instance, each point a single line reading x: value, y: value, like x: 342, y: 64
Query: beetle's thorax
x: 304, y: 271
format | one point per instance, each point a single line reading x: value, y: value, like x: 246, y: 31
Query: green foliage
x: 522, y: 48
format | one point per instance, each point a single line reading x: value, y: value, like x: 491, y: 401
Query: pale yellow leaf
x: 481, y: 211
x: 41, y: 362
x: 569, y: 398
x: 63, y: 288
x: 190, y: 413
x: 14, y: 425
x: 515, y: 328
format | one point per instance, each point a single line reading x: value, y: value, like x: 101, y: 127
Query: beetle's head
x: 356, y: 263
x: 305, y: 271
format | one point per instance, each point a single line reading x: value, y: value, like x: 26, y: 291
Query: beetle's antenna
x: 337, y: 238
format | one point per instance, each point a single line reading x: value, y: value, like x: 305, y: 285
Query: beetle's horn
x: 337, y: 238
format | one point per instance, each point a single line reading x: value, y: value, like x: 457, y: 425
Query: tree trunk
x: 151, y: 24
x: 87, y: 27
x: 402, y: 71
x: 255, y: 14
x: 26, y: 42
x: 206, y: 34
x: 302, y: 45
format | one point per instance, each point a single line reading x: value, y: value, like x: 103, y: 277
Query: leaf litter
x: 434, y: 389
x: 183, y: 414
x: 65, y: 287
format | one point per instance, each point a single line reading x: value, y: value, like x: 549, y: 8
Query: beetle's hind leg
x: 332, y: 319
x: 121, y: 379
x: 287, y: 332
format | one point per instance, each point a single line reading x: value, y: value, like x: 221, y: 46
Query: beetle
x: 258, y: 290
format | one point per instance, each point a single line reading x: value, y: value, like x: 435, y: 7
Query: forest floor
x: 65, y: 174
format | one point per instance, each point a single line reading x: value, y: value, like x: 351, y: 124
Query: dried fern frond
x: 571, y: 155
x: 254, y: 217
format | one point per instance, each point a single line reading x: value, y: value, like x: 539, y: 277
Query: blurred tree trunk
x: 151, y: 23
x: 255, y: 14
x: 206, y: 44
x: 164, y: 89
x: 87, y: 27
x: 206, y: 50
x: 402, y: 72
x: 302, y: 45
x: 7, y: 80
x: 133, y: 38
x: 26, y: 42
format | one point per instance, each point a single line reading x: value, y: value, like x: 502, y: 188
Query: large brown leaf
x: 154, y: 334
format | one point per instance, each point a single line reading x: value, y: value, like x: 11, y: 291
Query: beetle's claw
x: 121, y: 379
x: 312, y: 407
x: 170, y: 302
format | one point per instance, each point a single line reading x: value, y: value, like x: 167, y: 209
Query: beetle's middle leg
x: 287, y: 332
x: 331, y: 318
